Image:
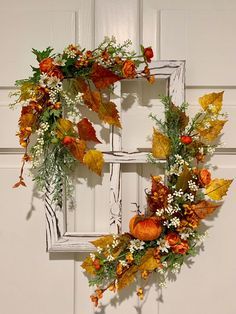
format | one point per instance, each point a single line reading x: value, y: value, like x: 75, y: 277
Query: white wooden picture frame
x: 59, y: 239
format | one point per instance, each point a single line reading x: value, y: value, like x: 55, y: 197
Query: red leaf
x: 86, y: 131
x: 103, y: 77
x: 108, y: 113
x: 19, y: 183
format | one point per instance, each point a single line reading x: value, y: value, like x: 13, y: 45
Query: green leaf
x: 40, y: 55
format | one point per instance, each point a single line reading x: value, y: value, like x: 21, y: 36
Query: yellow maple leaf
x: 128, y: 277
x: 88, y: 266
x: 64, y: 126
x: 94, y: 160
x: 218, y: 188
x: 27, y: 91
x: 213, y: 131
x: 160, y: 145
x: 212, y: 102
x: 103, y: 241
x: 148, y: 261
x: 183, y: 178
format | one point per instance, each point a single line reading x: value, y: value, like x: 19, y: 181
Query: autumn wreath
x: 167, y: 233
x: 52, y: 129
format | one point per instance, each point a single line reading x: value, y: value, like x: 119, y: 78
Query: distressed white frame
x: 58, y: 238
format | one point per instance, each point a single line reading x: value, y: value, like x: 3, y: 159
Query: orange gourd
x: 145, y: 228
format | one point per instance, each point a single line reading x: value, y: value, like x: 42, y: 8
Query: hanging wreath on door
x: 167, y: 233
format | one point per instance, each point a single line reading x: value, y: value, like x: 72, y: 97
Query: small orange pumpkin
x: 145, y: 228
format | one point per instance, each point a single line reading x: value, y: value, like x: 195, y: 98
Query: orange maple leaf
x: 77, y: 149
x: 92, y: 99
x: 86, y: 131
x: 103, y: 77
x: 108, y: 113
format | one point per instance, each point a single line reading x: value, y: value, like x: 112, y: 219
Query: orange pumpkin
x: 145, y: 228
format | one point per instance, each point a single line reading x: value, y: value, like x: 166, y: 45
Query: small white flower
x: 175, y: 222
x: 163, y: 245
x: 192, y: 186
x: 59, y: 61
x: 160, y: 212
x: 136, y: 245
x: 99, y: 249
x: 110, y: 258
x: 92, y: 256
x: 123, y: 263
x: 189, y: 197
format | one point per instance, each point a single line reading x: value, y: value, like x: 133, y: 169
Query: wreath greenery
x: 168, y: 232
x: 51, y: 103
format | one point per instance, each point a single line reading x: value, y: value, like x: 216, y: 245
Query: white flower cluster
x: 170, y: 198
x: 71, y: 53
x: 136, y: 245
x: 176, y: 268
x: 177, y: 168
x: 71, y: 104
x: 170, y: 210
x: 160, y: 212
x: 189, y: 196
x: 173, y: 222
x: 115, y: 242
x: 192, y: 186
x: 38, y: 147
x: 178, y: 193
x: 110, y: 258
x: 123, y: 263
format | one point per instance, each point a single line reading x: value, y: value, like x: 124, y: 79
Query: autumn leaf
x: 92, y: 99
x: 108, y: 113
x: 204, y: 208
x: 160, y: 145
x: 127, y: 277
x: 94, y: 160
x: 148, y: 261
x: 77, y: 149
x: 212, y: 102
x: 218, y: 188
x: 102, y: 77
x: 103, y: 241
x: 27, y: 120
x: 88, y: 266
x: 86, y: 131
x: 124, y: 240
x: 213, y: 131
x: 19, y: 183
x: 183, y: 178
x: 180, y: 116
x: 27, y: 90
x: 64, y: 127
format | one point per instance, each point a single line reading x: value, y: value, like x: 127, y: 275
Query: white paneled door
x: 33, y: 281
